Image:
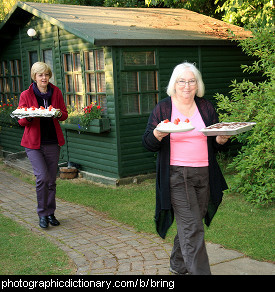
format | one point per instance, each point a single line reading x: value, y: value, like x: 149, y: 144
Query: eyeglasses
x: 192, y: 82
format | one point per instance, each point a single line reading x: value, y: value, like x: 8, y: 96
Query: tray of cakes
x: 174, y: 127
x: 33, y: 112
x: 227, y: 128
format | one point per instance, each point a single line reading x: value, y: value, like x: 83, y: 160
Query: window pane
x: 13, y: 68
x: 69, y: 83
x: 129, y: 82
x: 18, y: 67
x: 148, y: 102
x: 77, y: 64
x: 70, y: 100
x: 18, y: 81
x: 79, y: 101
x: 90, y: 82
x: 139, y: 58
x: 13, y: 85
x: 78, y: 82
x: 99, y: 55
x: 6, y: 85
x: 100, y: 82
x: 48, y: 59
x: 90, y: 99
x: 33, y: 57
x: 89, y: 61
x: 130, y: 104
x: 67, y: 62
x: 148, y: 81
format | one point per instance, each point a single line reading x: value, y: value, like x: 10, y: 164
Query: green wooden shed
x: 120, y: 57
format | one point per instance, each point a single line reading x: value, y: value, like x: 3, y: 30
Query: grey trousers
x: 189, y: 197
x: 45, y: 163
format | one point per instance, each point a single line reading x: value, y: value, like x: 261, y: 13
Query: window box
x: 96, y: 126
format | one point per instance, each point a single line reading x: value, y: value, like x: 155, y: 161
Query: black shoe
x: 53, y: 221
x: 43, y: 222
x: 178, y: 273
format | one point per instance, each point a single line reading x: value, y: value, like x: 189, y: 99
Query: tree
x: 254, y: 102
x: 252, y: 13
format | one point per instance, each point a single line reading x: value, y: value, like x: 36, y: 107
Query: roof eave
x: 161, y: 42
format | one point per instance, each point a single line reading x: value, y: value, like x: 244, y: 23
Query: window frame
x: 72, y: 96
x: 97, y: 95
x: 10, y: 81
x: 86, y: 96
x: 139, y: 69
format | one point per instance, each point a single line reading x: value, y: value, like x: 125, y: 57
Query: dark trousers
x: 45, y: 163
x: 189, y: 196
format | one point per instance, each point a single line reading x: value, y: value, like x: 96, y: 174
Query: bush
x: 254, y: 102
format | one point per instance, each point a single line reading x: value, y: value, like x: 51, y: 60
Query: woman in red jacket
x: 42, y: 139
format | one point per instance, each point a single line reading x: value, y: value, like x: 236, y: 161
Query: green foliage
x: 255, y: 13
x: 205, y: 7
x: 254, y: 102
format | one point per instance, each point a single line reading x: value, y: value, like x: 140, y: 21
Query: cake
x: 23, y: 112
x: 176, y: 126
x: 226, y: 128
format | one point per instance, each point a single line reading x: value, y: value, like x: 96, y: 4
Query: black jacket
x: 164, y: 215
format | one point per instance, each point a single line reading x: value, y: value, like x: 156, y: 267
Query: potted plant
x: 89, y: 119
x: 5, y: 110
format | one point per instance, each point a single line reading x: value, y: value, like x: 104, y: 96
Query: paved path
x: 99, y: 245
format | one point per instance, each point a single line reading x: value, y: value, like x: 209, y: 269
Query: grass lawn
x: 237, y: 225
x: 24, y: 253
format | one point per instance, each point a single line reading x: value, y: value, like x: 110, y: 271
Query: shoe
x: 43, y: 222
x: 53, y: 221
x: 177, y: 273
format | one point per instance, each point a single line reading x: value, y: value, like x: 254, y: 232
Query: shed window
x: 73, y: 80
x: 139, y: 82
x: 95, y: 77
x: 48, y: 59
x: 10, y: 81
x: 139, y: 58
x: 33, y: 58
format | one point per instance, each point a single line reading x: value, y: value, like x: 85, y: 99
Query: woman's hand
x: 222, y: 139
x: 159, y: 135
x: 58, y: 113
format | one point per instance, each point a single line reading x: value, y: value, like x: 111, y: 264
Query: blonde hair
x: 39, y: 68
x: 178, y: 71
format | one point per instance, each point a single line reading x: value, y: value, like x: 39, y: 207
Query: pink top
x: 188, y: 148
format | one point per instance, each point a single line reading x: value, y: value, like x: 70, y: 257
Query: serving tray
x: 227, y: 128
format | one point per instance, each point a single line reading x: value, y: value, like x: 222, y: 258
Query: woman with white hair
x: 189, y: 182
x: 43, y: 138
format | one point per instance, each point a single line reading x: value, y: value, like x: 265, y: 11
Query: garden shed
x: 120, y: 57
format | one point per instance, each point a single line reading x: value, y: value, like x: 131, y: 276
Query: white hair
x: 178, y: 71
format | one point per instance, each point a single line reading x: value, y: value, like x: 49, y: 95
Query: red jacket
x: 32, y: 137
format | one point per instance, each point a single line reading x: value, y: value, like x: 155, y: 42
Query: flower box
x: 96, y: 126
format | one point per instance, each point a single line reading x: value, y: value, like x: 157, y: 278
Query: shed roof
x: 127, y: 26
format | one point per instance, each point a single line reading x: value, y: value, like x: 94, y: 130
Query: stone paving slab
x: 101, y: 246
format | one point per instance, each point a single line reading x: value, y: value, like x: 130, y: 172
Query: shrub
x: 254, y: 102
